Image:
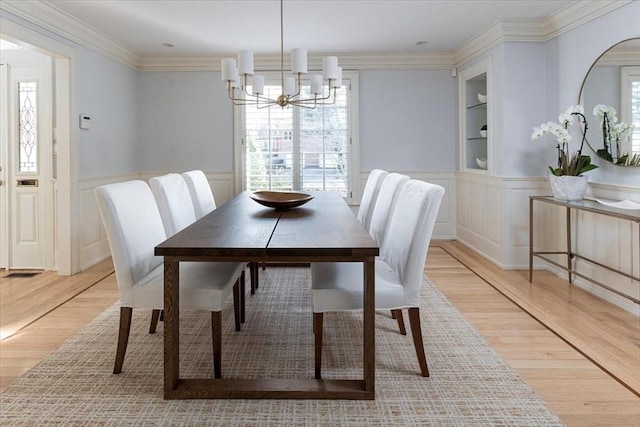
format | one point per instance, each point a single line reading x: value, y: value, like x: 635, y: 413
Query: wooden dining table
x: 323, y: 230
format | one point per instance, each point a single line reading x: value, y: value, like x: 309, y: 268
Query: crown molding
x: 536, y: 30
x: 55, y: 20
x: 272, y: 62
x: 575, y: 14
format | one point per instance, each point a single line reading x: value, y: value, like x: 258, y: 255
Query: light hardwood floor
x: 574, y: 387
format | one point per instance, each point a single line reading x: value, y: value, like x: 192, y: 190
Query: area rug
x: 469, y: 385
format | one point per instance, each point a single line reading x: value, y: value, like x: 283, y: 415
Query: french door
x: 26, y: 205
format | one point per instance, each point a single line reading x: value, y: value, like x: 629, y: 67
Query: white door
x: 26, y: 205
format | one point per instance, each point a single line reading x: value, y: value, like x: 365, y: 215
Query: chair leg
x: 397, y: 314
x: 216, y: 338
x: 162, y: 315
x: 393, y: 314
x: 256, y: 267
x: 236, y: 304
x: 252, y: 273
x: 317, y: 330
x: 416, y: 332
x: 243, y: 299
x: 123, y: 337
x: 155, y: 314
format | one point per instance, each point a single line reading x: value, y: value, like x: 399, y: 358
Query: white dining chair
x: 174, y: 202
x: 200, y: 191
x: 203, y: 203
x: 385, y: 204
x: 177, y: 212
x: 369, y: 196
x: 134, y: 227
x: 382, y: 211
x: 399, y: 269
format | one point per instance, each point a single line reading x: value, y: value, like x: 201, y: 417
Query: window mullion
x: 297, y: 176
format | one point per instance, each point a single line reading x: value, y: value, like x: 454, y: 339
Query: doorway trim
x: 66, y: 135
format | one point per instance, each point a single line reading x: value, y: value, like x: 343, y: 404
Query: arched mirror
x: 613, y: 84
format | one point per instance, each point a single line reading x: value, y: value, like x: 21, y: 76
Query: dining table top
x: 242, y: 229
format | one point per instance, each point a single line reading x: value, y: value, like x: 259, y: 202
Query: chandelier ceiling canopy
x: 322, y: 86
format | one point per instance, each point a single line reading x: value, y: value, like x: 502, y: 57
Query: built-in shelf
x: 482, y: 105
x: 474, y: 115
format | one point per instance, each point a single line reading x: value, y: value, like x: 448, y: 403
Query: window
x: 630, y: 104
x: 299, y: 149
x: 28, y: 127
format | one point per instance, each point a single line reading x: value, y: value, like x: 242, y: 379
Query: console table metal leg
x: 530, y: 240
x: 569, y: 243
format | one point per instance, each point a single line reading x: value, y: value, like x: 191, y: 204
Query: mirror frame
x: 580, y: 101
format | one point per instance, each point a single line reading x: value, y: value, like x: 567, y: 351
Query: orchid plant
x: 614, y: 136
x: 568, y: 164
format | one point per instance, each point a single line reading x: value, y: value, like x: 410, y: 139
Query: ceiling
x: 218, y: 27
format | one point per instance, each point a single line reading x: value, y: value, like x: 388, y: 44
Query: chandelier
x: 322, y: 88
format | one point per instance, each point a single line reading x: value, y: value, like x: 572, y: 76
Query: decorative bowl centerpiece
x: 280, y: 200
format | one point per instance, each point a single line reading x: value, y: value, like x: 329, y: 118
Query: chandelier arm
x: 315, y: 99
x: 304, y: 105
x: 298, y: 85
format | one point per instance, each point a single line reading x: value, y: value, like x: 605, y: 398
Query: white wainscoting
x: 446, y: 220
x: 94, y: 246
x: 493, y: 219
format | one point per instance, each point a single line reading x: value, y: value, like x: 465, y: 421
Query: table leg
x: 369, y: 326
x: 171, y: 326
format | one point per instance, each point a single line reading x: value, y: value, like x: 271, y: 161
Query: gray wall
x: 186, y: 122
x: 107, y: 92
x: 408, y: 120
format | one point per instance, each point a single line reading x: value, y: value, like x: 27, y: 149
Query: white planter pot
x: 568, y: 187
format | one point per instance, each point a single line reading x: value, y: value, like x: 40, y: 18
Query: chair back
x: 134, y: 228
x: 409, y: 234
x: 369, y: 196
x: 385, y: 203
x: 200, y: 190
x: 174, y: 202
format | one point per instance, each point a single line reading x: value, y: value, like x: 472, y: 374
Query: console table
x: 588, y: 206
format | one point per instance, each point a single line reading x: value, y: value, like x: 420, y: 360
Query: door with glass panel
x: 26, y: 205
x: 298, y: 149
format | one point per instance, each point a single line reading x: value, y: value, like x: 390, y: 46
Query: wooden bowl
x: 280, y: 200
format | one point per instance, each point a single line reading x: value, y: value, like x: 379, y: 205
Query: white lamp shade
x: 338, y: 82
x: 316, y: 84
x: 258, y: 85
x: 245, y: 62
x: 289, y: 86
x: 330, y: 67
x: 228, y: 68
x: 299, y: 61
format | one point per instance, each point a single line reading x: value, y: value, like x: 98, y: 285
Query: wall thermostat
x: 85, y: 121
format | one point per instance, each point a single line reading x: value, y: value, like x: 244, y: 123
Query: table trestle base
x: 237, y: 388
